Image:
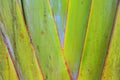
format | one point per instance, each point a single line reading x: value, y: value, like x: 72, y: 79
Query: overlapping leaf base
x: 59, y: 39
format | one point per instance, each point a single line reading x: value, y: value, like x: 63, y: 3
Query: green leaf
x: 7, y: 68
x: 44, y: 36
x: 60, y: 10
x: 77, y: 19
x: 112, y: 65
x: 97, y: 38
x: 25, y: 59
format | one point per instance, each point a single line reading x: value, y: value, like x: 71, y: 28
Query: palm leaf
x: 112, y: 69
x: 44, y: 36
x: 7, y: 67
x: 75, y: 33
x: 15, y: 28
x: 60, y: 11
x: 59, y: 39
x: 97, y: 38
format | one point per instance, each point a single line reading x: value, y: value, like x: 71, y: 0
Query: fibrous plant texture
x: 59, y: 39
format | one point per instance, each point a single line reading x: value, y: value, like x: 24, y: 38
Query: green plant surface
x: 59, y: 39
x: 77, y: 19
x: 7, y: 70
x: 97, y: 38
x: 111, y: 69
x: 43, y: 32
x: 25, y: 59
x: 60, y: 11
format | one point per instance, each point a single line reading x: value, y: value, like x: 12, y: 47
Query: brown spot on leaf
x: 22, y: 36
x: 42, y: 32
